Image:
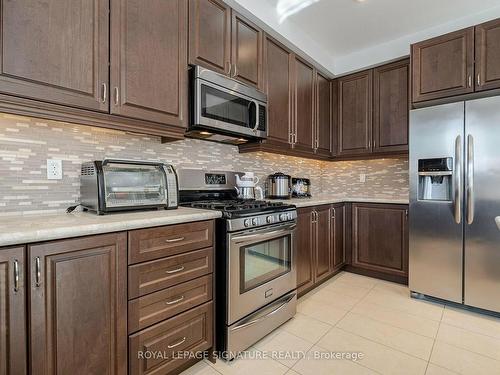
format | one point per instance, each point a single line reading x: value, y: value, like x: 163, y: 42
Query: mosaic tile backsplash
x: 27, y: 143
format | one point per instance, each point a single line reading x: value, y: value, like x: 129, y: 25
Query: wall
x: 26, y: 144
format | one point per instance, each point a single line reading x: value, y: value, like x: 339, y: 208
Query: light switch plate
x: 54, y: 169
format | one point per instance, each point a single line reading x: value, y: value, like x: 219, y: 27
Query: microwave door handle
x: 256, y: 116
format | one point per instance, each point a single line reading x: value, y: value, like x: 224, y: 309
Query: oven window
x: 222, y: 106
x: 264, y: 261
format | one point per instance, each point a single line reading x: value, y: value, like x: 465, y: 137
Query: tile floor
x: 395, y: 334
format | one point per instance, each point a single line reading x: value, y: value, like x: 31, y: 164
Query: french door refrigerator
x: 454, y: 201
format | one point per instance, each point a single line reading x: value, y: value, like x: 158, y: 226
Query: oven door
x: 228, y: 110
x: 261, y: 268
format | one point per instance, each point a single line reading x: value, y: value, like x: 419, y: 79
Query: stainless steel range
x: 255, y: 258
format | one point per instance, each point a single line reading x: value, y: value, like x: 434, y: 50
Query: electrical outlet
x: 54, y: 169
x: 362, y: 177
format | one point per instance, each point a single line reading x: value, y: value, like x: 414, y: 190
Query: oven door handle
x: 273, y: 233
x: 261, y: 318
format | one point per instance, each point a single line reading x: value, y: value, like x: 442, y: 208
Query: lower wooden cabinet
x: 320, y: 244
x: 380, y: 238
x: 12, y: 312
x: 78, y: 306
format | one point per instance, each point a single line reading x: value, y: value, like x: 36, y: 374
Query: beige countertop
x: 329, y: 199
x: 22, y: 229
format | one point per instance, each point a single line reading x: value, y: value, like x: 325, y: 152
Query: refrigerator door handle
x: 458, y: 180
x: 470, y: 179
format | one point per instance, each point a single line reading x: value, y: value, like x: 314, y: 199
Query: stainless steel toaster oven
x: 114, y: 185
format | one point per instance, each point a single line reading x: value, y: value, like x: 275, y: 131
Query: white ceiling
x: 347, y: 35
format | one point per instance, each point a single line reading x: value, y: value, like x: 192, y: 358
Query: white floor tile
x: 471, y: 321
x: 307, y: 328
x: 321, y: 309
x: 284, y: 347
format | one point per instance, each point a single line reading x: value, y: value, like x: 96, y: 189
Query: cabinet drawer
x: 153, y: 350
x: 159, y: 274
x: 158, y: 306
x: 154, y: 243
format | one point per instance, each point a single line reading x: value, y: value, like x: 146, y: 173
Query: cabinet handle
x: 469, y: 80
x: 174, y: 301
x: 181, y: 268
x: 104, y: 92
x: 117, y: 96
x: 38, y: 272
x: 235, y: 71
x: 406, y: 214
x: 333, y: 213
x: 229, y: 70
x: 478, y: 79
x: 290, y: 138
x: 175, y: 239
x: 177, y: 343
x: 16, y: 276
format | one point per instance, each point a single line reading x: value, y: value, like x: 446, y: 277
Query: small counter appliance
x: 114, y: 185
x: 278, y: 186
x: 301, y: 187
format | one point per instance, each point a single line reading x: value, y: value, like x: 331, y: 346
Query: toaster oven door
x: 132, y: 185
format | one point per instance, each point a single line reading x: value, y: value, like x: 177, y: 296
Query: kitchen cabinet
x: 380, y: 238
x: 78, y: 305
x: 305, y: 248
x: 323, y: 118
x: 222, y: 40
x: 391, y: 107
x: 56, y: 51
x: 487, y: 55
x: 320, y: 244
x: 13, y: 346
x: 210, y: 35
x: 443, y: 66
x: 355, y: 113
x: 304, y: 106
x: 149, y: 64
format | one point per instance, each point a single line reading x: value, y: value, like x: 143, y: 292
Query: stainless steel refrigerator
x: 454, y: 201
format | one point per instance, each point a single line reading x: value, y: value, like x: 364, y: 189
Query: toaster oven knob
x: 255, y: 221
x: 269, y: 219
x: 282, y: 217
x: 247, y: 222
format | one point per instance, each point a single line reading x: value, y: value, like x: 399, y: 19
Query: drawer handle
x: 181, y: 268
x: 175, y: 239
x: 177, y: 343
x: 174, y: 301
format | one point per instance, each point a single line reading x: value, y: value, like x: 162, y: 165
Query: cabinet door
x: 323, y: 133
x: 56, y: 51
x: 335, y: 116
x: 323, y: 236
x: 304, y: 101
x: 337, y: 237
x: 443, y: 66
x: 13, y: 360
x: 391, y: 107
x: 148, y: 63
x: 246, y: 51
x: 278, y: 80
x: 305, y: 239
x: 380, y: 238
x: 210, y: 35
x: 488, y: 55
x: 355, y: 114
x: 78, y: 302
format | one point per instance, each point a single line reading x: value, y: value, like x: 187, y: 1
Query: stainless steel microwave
x: 225, y: 109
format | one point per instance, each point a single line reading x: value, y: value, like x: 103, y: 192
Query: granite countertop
x: 329, y: 199
x: 23, y: 229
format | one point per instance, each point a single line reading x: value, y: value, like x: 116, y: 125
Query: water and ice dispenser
x: 435, y: 182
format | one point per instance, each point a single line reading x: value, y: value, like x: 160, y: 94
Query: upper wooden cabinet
x: 355, y: 113
x: 304, y: 105
x: 443, y: 66
x: 56, y: 51
x: 488, y: 55
x: 278, y: 73
x: 380, y: 238
x: 78, y: 306
x: 210, y: 35
x: 149, y: 64
x: 391, y: 107
x: 222, y: 40
x: 12, y: 312
x: 323, y: 128
x: 246, y: 50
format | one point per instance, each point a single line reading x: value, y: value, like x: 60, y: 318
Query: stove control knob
x: 255, y: 221
x: 282, y: 217
x: 269, y: 219
x: 247, y: 222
